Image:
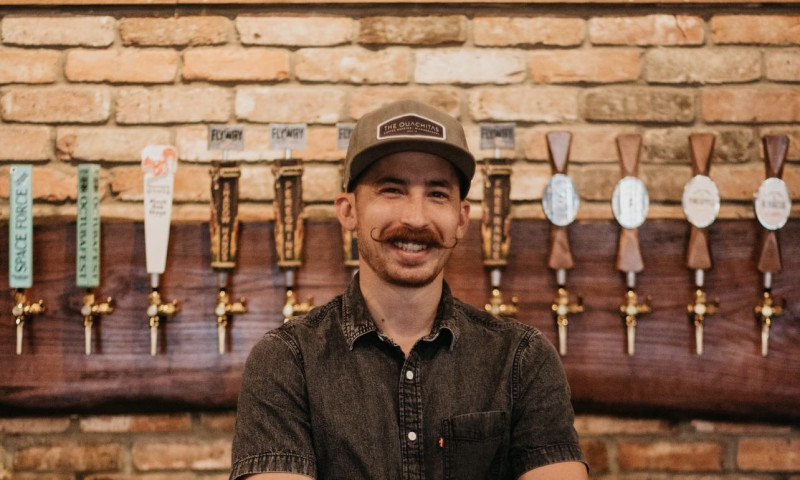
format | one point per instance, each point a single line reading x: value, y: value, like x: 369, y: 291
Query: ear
x: 463, y: 219
x: 345, y: 205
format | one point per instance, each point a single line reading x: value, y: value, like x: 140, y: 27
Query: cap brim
x: 462, y: 160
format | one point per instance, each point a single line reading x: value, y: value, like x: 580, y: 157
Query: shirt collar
x: 357, y: 321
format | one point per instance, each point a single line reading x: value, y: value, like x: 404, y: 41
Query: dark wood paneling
x: 665, y: 377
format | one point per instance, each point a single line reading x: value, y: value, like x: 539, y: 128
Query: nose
x: 413, y: 213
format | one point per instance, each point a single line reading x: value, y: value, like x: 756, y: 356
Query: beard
x: 412, y: 276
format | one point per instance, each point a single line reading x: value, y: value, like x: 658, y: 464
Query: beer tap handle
x: 630, y: 203
x: 772, y: 208
x: 496, y: 230
x: 629, y: 147
x: 629, y: 253
x: 560, y: 203
x: 700, y: 201
x: 224, y: 226
x: 700, y: 204
x: 775, y: 148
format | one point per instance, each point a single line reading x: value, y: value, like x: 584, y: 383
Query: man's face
x: 408, y: 215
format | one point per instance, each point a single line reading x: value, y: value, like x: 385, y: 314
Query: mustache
x: 401, y: 234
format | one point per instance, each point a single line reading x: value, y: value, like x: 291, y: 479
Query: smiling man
x: 396, y: 378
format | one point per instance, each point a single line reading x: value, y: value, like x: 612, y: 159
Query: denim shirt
x: 328, y: 396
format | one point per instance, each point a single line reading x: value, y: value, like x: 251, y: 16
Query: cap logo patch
x: 411, y: 126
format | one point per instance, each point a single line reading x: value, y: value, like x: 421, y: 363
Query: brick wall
x: 79, y: 85
x: 196, y: 446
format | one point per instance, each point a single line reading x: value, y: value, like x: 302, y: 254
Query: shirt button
x: 409, y: 375
x: 412, y: 436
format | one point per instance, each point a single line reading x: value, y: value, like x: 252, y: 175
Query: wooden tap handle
x: 629, y: 255
x: 775, y: 147
x: 629, y: 147
x: 560, y: 254
x: 700, y: 147
x: 288, y: 207
x: 496, y: 205
x: 698, y: 256
x: 224, y: 224
x: 769, y: 257
x: 558, y: 150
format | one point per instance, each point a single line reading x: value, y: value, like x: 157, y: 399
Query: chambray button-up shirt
x: 328, y: 396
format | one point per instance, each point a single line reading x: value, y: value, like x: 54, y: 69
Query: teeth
x: 410, y: 247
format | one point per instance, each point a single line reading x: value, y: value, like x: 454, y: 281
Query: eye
x: 440, y: 194
x: 390, y: 190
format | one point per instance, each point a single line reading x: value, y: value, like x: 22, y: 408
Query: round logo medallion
x: 630, y: 202
x: 560, y: 200
x: 701, y: 201
x: 773, y: 203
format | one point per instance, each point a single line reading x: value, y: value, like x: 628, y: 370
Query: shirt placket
x: 410, y: 418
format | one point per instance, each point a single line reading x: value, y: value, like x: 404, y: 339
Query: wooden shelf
x: 664, y: 377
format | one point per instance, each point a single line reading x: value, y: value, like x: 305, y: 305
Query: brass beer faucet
x: 22, y: 311
x: 91, y: 310
x: 292, y: 307
x: 562, y: 308
x: 697, y: 314
x: 224, y: 309
x: 155, y: 310
x: 499, y: 309
x: 630, y: 311
x: 765, y: 312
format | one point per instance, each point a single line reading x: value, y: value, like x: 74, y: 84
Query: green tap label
x: 20, y: 232
x: 87, y: 259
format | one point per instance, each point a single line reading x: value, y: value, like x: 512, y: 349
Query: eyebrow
x: 440, y: 183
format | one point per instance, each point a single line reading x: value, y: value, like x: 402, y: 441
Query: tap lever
x: 92, y: 310
x: 765, y: 312
x: 630, y: 311
x: 562, y: 308
x: 224, y: 309
x: 697, y: 313
x: 22, y: 311
x: 291, y: 307
x: 499, y: 309
x: 155, y: 311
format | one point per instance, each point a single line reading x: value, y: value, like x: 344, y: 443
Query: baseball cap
x: 407, y: 126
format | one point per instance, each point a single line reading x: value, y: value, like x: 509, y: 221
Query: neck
x: 404, y: 314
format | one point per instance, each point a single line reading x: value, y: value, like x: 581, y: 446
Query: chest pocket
x: 475, y: 446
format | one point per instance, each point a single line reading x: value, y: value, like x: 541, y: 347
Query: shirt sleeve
x: 542, y: 418
x: 273, y: 431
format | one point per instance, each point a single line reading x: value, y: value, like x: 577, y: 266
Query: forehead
x: 413, y: 166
